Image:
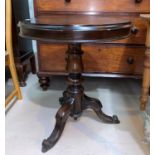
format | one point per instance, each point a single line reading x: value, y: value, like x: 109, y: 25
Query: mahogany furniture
x: 75, y: 31
x: 120, y: 58
x: 146, y: 73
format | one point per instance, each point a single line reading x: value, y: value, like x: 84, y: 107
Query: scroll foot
x: 61, y: 118
x: 96, y: 106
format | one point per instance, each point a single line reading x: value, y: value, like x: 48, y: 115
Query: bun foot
x: 44, y: 82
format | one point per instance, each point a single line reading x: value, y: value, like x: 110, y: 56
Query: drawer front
x: 92, y: 5
x: 115, y: 59
x: 51, y: 57
x: 96, y: 58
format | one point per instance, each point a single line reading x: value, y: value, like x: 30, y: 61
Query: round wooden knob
x: 134, y: 30
x: 130, y: 60
x: 138, y: 1
x: 67, y: 1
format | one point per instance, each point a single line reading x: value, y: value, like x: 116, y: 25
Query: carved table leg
x: 74, y: 101
x: 96, y: 105
x: 44, y: 82
x: 61, y: 118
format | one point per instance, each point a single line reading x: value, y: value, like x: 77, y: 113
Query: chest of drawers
x: 123, y: 58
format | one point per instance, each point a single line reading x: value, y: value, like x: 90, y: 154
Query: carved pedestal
x: 67, y: 30
x: 74, y: 101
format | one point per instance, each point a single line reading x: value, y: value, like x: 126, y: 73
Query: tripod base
x: 74, y: 101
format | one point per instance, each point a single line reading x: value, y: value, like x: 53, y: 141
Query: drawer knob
x: 138, y: 1
x: 67, y: 1
x: 130, y: 60
x: 134, y: 30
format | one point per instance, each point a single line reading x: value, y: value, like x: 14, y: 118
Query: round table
x: 74, y: 32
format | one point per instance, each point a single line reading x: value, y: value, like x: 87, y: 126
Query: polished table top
x: 79, y: 29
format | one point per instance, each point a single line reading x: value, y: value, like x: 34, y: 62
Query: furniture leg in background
x: 24, y: 65
x: 146, y: 73
x: 44, y: 82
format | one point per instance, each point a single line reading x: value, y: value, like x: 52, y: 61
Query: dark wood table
x: 74, y: 32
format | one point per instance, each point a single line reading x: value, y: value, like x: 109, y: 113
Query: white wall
x: 31, y: 11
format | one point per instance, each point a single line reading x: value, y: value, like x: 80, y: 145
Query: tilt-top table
x: 74, y: 32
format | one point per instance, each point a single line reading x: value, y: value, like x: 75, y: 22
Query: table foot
x: 96, y: 106
x: 61, y: 118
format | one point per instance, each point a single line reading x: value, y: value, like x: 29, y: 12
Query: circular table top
x: 70, y: 28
